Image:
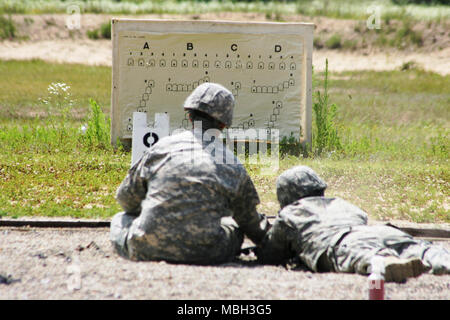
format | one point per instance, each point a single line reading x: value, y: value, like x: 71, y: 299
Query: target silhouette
x: 154, y: 139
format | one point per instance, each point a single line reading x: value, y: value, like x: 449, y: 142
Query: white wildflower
x: 83, y: 129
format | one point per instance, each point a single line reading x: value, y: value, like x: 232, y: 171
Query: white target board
x: 143, y: 136
x: 267, y: 67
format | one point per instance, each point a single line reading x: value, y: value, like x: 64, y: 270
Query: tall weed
x: 97, y: 133
x: 325, y: 136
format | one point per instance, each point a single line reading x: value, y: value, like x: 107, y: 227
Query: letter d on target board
x: 143, y: 136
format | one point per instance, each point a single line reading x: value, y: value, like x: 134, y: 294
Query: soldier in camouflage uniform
x: 330, y: 234
x: 187, y: 200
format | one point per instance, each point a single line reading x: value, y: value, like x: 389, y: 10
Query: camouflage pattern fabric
x: 214, y: 100
x: 296, y: 183
x: 331, y: 234
x: 308, y: 227
x: 184, y: 205
x: 354, y: 252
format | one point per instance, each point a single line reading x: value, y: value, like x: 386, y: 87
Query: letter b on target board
x: 267, y: 67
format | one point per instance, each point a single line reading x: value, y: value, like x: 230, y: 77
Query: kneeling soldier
x: 184, y: 204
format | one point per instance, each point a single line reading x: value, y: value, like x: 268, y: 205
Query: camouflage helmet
x: 298, y: 182
x: 214, y: 100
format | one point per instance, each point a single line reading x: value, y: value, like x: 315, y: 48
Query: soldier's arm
x: 277, y: 244
x: 133, y: 189
x: 255, y: 225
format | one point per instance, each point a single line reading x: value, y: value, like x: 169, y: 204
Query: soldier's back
x: 325, y: 211
x: 189, y: 191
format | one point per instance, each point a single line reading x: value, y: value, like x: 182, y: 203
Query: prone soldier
x: 330, y: 234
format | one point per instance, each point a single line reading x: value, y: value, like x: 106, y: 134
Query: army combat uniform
x: 331, y: 234
x: 185, y: 204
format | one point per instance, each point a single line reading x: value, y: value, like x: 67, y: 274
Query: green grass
x: 393, y: 126
x: 346, y: 9
x: 407, y: 34
x: 104, y: 32
x: 334, y: 42
x: 7, y: 28
x: 350, y: 44
x: 22, y: 84
x: 400, y: 36
x: 61, y: 183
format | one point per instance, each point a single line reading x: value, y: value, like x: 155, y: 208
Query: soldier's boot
x: 438, y: 260
x: 398, y: 270
x: 441, y: 267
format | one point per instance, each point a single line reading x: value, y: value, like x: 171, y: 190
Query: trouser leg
x: 118, y: 234
x: 220, y: 244
x: 225, y: 247
x: 131, y: 242
x: 354, y: 252
x: 230, y: 247
x: 356, y: 249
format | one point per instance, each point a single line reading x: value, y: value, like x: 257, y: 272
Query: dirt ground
x: 47, y: 37
x: 37, y: 263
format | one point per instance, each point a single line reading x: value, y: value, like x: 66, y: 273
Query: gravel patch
x: 44, y: 264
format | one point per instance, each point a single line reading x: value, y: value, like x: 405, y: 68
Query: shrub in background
x: 7, y: 28
x: 104, y: 32
x: 334, y: 42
